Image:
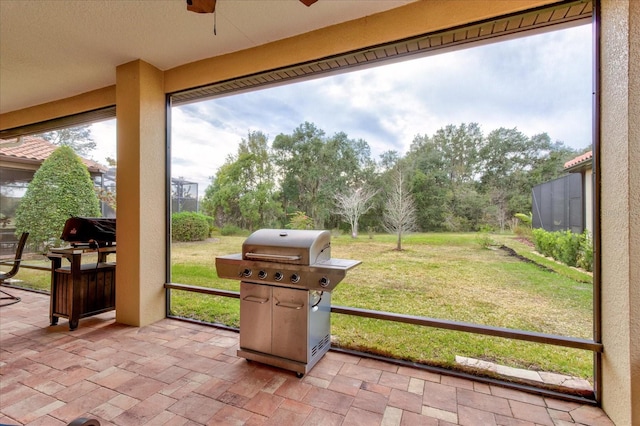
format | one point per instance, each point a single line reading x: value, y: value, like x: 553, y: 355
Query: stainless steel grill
x: 286, y: 278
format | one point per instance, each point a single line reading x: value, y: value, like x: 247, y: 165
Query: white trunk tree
x: 400, y: 213
x: 352, y: 204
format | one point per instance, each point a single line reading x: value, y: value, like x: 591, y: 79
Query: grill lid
x: 295, y: 246
x: 82, y: 230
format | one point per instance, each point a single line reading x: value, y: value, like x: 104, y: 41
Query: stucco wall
x: 141, y: 194
x: 634, y: 207
x: 620, y: 201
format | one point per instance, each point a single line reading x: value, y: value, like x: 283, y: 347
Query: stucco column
x: 620, y: 208
x: 141, y: 124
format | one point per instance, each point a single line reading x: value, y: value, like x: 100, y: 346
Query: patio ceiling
x: 52, y: 49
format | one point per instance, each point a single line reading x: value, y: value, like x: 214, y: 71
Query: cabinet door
x: 255, y: 317
x: 290, y: 310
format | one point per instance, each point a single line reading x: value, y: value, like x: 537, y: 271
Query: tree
x: 459, y: 147
x: 244, y: 192
x: 61, y: 188
x: 313, y: 168
x: 352, y: 204
x: 512, y: 164
x: 400, y: 214
x: 444, y: 169
x: 388, y: 159
x: 258, y: 203
x: 549, y: 164
x: 428, y: 182
x: 221, y: 197
x: 77, y: 138
x: 302, y: 173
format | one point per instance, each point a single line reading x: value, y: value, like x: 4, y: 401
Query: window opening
x: 213, y: 142
x: 22, y: 157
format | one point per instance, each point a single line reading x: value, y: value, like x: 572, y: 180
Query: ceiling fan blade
x: 308, y: 2
x: 201, y: 6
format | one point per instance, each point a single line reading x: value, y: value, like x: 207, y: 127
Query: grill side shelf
x: 335, y: 263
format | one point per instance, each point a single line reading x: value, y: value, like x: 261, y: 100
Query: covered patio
x: 180, y: 373
x: 138, y: 367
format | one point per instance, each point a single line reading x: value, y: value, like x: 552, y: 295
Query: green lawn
x: 446, y: 276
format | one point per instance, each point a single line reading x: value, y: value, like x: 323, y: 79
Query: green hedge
x: 566, y: 247
x: 189, y: 226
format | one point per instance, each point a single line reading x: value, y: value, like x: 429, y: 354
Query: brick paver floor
x: 178, y: 373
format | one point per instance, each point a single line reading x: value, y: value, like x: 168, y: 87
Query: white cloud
x: 104, y: 135
x: 199, y: 148
x: 539, y: 83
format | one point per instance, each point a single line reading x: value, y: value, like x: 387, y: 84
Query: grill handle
x: 271, y: 257
x: 289, y: 305
x: 255, y: 299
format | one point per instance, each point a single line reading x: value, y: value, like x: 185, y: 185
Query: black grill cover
x: 86, y: 230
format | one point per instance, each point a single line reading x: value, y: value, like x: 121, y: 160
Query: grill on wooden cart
x: 286, y: 278
x: 81, y: 289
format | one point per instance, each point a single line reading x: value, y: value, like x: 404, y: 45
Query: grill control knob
x: 295, y: 278
x: 324, y: 282
x: 278, y: 276
x: 262, y: 275
x: 246, y: 272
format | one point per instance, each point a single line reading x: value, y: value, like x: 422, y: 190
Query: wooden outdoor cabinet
x: 80, y: 290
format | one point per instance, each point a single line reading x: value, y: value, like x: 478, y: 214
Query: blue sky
x: 539, y: 83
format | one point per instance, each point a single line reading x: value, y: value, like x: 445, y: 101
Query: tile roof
x: 35, y: 149
x: 584, y: 158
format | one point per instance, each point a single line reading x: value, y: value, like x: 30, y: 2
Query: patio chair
x: 14, y: 270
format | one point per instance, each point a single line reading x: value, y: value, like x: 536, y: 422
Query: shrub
x: 189, y: 226
x: 523, y: 231
x: 299, y: 220
x: 544, y: 242
x: 211, y: 222
x: 61, y: 188
x: 486, y: 228
x: 585, y: 259
x: 229, y: 230
x: 485, y: 240
x: 566, y: 247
